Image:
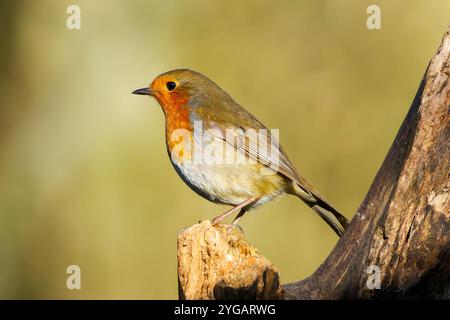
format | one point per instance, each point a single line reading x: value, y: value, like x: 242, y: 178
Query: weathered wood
x: 216, y: 262
x: 402, y: 226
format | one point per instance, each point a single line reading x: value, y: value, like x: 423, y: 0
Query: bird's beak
x: 144, y: 91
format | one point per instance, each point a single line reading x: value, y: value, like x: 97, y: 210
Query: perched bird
x: 191, y: 101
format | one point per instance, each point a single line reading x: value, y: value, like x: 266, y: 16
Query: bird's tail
x: 328, y: 213
x: 331, y: 216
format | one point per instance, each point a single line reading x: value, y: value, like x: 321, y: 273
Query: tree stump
x: 401, y: 230
x: 216, y: 262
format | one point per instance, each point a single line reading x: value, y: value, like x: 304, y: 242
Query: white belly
x: 227, y: 184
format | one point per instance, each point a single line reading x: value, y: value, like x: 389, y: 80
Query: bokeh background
x: 84, y: 174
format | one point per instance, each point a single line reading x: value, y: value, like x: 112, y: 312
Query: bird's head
x: 178, y: 88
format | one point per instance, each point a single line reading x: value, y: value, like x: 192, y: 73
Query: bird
x: 193, y: 103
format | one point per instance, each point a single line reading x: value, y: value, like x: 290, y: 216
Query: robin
x: 191, y: 101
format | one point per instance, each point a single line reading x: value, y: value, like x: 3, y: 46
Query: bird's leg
x: 240, y: 206
x: 239, y: 215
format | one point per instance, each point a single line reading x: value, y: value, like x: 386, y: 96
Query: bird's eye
x: 171, y: 85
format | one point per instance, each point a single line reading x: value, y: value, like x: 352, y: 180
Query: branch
x: 402, y: 226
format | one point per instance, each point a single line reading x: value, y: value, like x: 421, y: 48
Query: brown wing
x: 241, y: 133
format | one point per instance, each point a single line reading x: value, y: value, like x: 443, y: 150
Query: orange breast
x: 178, y: 124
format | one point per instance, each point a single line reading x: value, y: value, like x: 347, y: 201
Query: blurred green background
x: 84, y: 174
